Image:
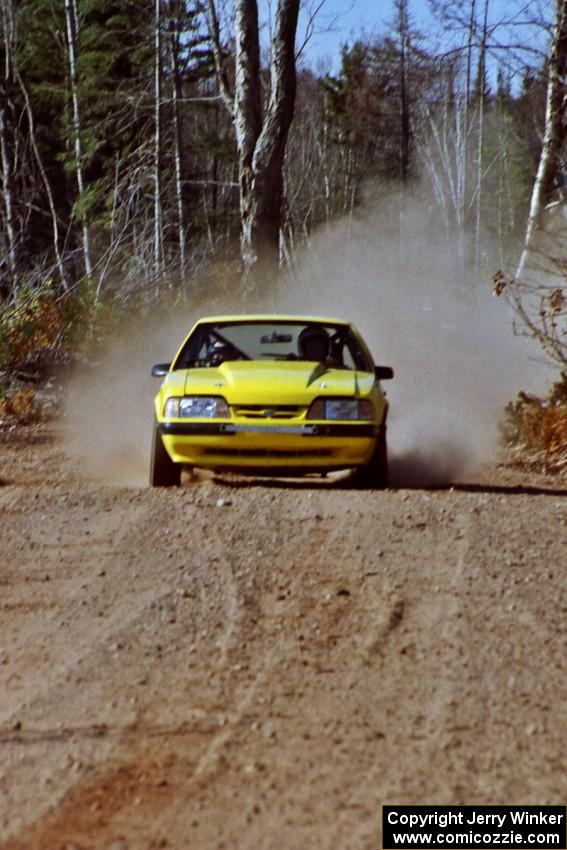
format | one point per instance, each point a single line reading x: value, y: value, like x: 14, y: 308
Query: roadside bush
x: 19, y: 404
x: 538, y: 424
x: 38, y: 333
x: 31, y: 325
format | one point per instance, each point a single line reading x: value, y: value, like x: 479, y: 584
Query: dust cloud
x: 456, y: 359
x: 108, y: 411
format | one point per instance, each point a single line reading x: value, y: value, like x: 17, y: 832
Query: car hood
x: 251, y: 382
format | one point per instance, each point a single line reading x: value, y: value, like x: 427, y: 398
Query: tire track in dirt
x: 217, y: 590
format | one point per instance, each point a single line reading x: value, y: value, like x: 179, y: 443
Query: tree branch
x: 222, y: 77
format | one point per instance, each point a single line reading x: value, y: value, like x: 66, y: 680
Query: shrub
x: 30, y: 325
x: 539, y: 424
x: 19, y: 405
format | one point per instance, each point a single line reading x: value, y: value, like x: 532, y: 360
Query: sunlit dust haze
x: 456, y: 359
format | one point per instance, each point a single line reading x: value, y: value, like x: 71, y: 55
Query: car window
x: 263, y: 341
x: 268, y: 341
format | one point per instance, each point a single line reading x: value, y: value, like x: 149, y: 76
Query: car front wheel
x: 376, y: 473
x: 163, y: 471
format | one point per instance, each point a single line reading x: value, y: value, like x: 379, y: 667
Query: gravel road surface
x: 246, y: 664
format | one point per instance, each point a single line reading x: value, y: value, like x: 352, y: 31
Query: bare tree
x: 71, y: 20
x: 261, y: 134
x: 158, y: 203
x: 444, y: 144
x: 174, y: 48
x: 6, y: 142
x: 554, y: 136
x: 45, y: 180
x: 481, y: 101
x: 538, y: 293
x: 403, y: 27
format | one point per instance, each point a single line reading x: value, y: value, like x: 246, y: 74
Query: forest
x: 148, y: 151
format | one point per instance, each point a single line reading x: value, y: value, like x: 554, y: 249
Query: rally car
x: 271, y: 394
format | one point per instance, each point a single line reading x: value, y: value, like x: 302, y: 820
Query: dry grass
x: 539, y: 424
x: 19, y: 405
x: 544, y: 428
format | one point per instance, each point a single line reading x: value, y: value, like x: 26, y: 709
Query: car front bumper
x: 301, y: 447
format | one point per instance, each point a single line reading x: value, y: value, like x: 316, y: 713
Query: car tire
x: 163, y: 471
x: 376, y: 473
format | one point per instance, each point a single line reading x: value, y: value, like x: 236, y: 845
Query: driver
x: 313, y: 343
x: 218, y: 351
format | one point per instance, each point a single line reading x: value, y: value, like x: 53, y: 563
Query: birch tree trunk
x: 177, y: 97
x: 405, y: 127
x: 158, y: 236
x: 6, y: 145
x: 480, y: 139
x: 71, y: 20
x: 554, y: 136
x: 325, y: 164
x: 405, y: 124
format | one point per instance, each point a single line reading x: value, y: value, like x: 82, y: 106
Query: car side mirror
x: 160, y: 369
x: 383, y: 373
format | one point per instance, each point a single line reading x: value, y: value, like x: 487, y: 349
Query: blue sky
x: 344, y: 20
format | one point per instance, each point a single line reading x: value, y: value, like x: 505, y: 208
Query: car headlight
x: 341, y: 408
x: 197, y: 407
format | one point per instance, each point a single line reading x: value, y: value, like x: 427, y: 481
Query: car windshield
x: 211, y: 344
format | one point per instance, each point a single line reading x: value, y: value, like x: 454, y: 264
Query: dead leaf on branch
x: 500, y: 282
x: 557, y: 300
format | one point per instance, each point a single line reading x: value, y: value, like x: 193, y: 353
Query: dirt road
x: 248, y: 665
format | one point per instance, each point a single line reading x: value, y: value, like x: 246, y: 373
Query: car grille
x: 265, y: 411
x: 272, y: 453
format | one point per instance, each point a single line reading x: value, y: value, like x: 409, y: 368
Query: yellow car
x: 271, y: 394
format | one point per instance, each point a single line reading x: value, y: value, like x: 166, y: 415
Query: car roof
x: 272, y: 317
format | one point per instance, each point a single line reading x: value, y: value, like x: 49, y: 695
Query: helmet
x: 313, y: 343
x: 218, y: 351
